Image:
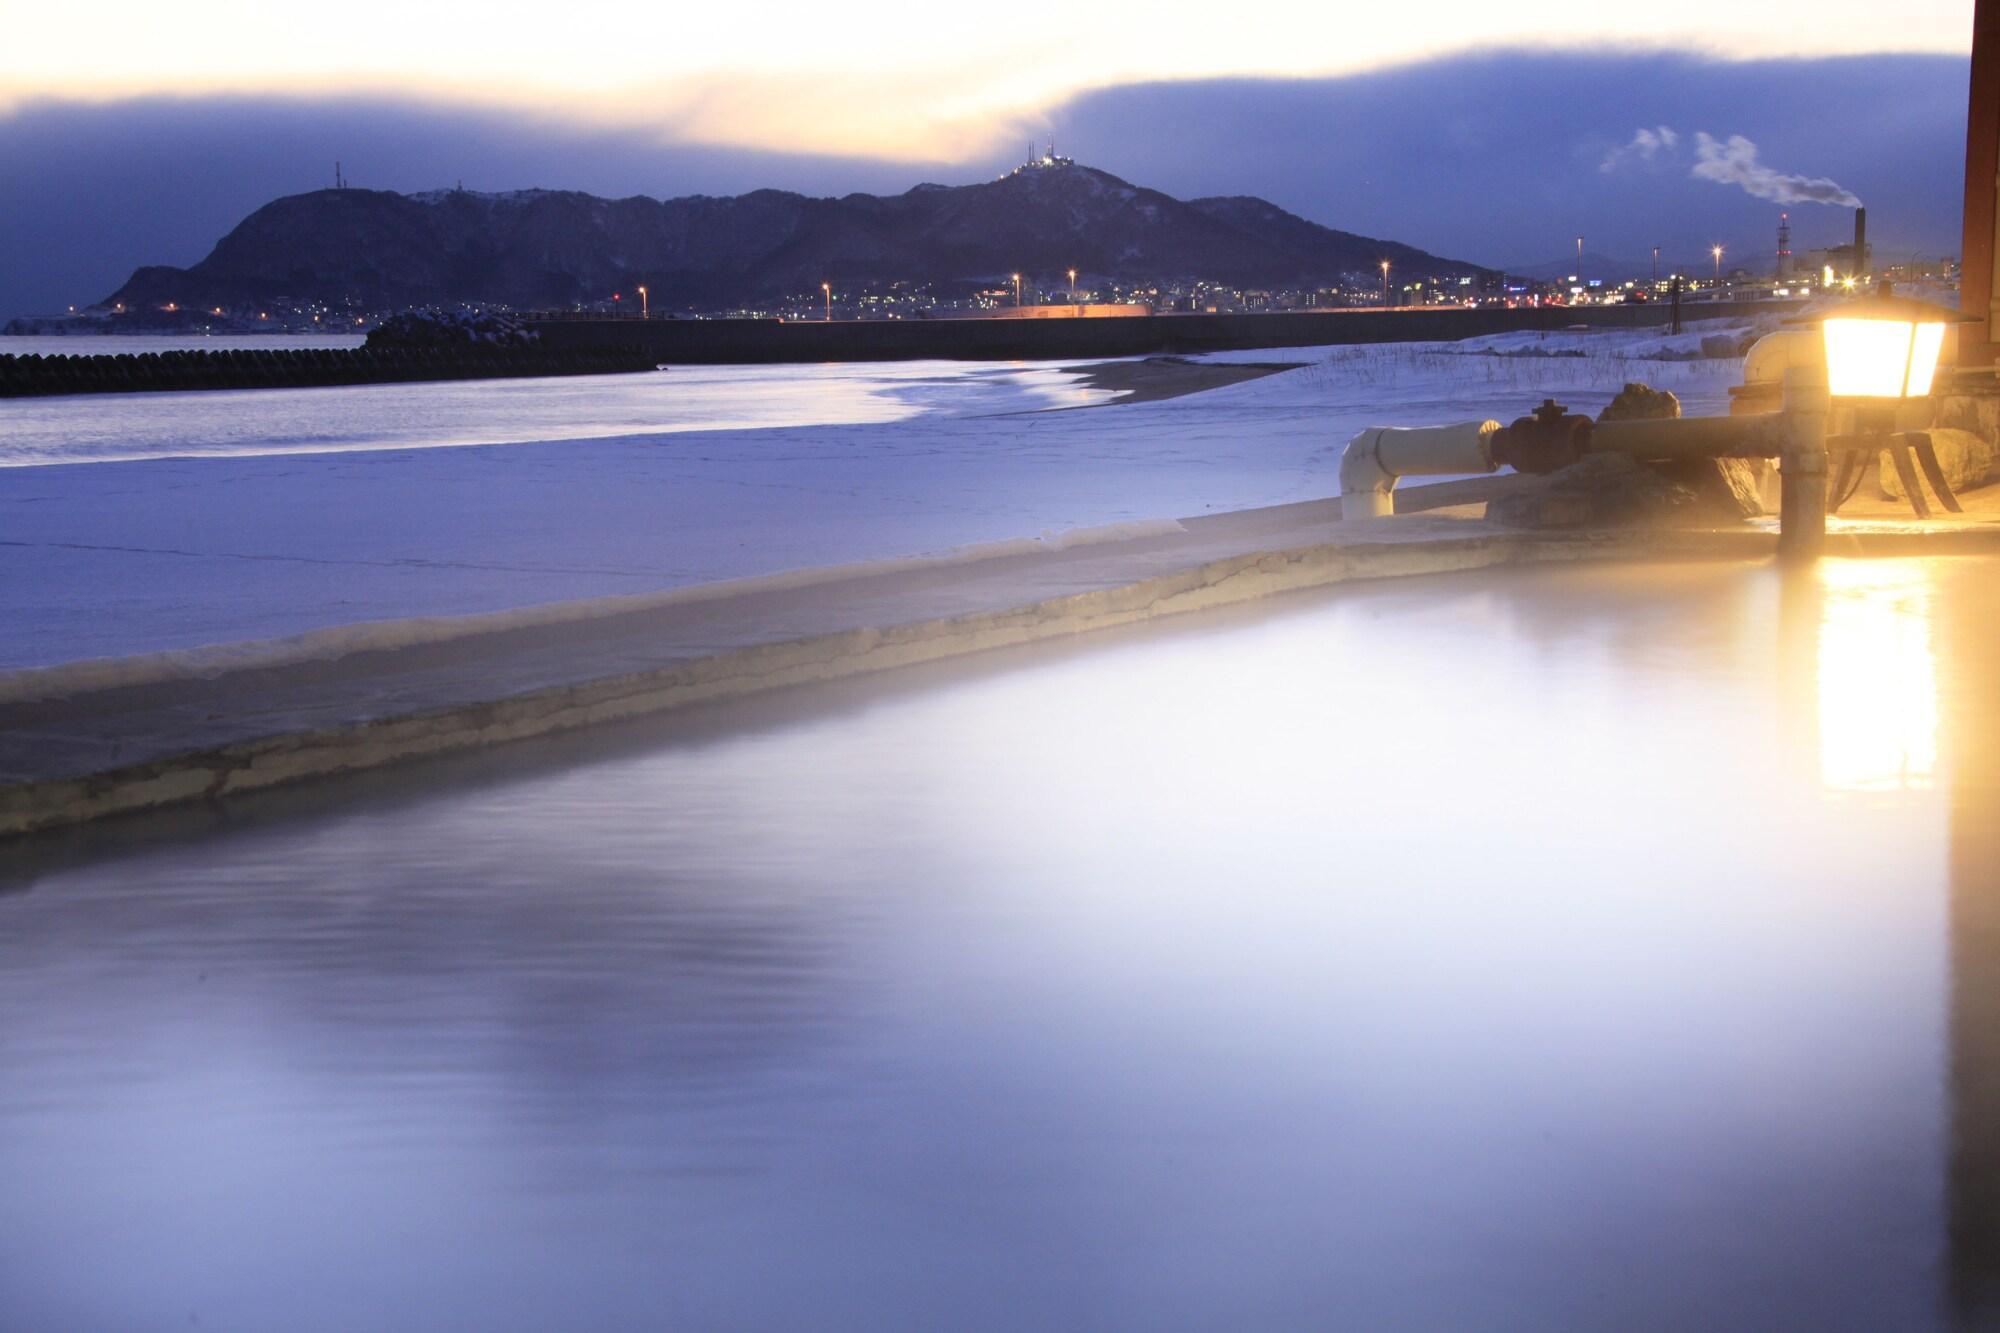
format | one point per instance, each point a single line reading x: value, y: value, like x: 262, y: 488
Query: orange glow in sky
x: 887, y: 79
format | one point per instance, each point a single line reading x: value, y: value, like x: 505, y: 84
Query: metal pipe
x: 1378, y: 456
x: 1669, y: 439
x: 1795, y: 435
x: 1802, y: 468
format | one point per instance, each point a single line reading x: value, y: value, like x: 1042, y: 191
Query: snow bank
x: 111, y: 428
x: 328, y: 507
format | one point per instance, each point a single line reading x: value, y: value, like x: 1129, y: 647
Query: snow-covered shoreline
x: 170, y: 554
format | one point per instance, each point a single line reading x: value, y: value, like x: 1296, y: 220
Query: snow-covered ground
x: 105, y: 428
x: 136, y: 523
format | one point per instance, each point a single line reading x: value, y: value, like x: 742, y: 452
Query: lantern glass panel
x: 1868, y: 358
x: 1924, y: 359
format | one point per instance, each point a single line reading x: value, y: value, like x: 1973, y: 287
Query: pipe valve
x: 1547, y: 439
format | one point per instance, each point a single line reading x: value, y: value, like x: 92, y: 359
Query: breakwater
x: 765, y: 341
x: 307, y: 367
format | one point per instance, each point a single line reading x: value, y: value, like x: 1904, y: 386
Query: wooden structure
x: 1978, y: 343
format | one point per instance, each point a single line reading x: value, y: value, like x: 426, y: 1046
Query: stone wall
x: 301, y: 367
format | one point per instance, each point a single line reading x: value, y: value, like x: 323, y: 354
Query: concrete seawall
x: 749, y: 341
x: 105, y: 751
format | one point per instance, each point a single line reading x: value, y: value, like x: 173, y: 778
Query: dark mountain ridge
x: 551, y: 248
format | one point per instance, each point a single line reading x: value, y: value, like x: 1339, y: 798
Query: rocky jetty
x: 293, y: 368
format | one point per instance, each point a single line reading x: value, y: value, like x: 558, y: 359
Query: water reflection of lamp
x: 1877, y: 676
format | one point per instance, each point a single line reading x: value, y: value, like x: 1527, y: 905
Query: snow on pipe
x: 1376, y: 457
x: 1773, y: 354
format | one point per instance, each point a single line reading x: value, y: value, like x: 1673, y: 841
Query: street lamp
x: 827, y: 287
x: 1017, y: 291
x: 1072, y: 286
x: 1716, y: 250
x: 645, y: 307
x: 1385, y: 284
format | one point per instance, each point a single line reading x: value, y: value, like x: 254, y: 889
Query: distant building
x: 1839, y: 260
x: 1043, y: 161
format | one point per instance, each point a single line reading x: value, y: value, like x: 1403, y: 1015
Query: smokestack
x: 1860, y: 242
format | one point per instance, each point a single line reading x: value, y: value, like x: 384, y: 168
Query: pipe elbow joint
x: 1772, y: 356
x: 1376, y: 457
x: 1366, y: 486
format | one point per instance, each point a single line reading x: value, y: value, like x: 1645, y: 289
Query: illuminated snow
x: 237, y: 516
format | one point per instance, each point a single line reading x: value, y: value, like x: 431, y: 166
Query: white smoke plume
x: 1646, y: 143
x: 1731, y: 161
x: 1734, y: 162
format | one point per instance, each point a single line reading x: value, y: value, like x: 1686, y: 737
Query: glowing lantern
x: 1884, y: 347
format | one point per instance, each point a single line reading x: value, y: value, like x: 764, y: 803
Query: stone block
x: 1968, y: 462
x: 1611, y: 491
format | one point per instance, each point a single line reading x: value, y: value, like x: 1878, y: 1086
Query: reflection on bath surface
x: 1585, y: 948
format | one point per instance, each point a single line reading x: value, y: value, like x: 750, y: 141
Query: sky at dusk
x: 139, y: 133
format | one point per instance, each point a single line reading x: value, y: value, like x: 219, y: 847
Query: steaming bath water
x: 1573, y: 948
